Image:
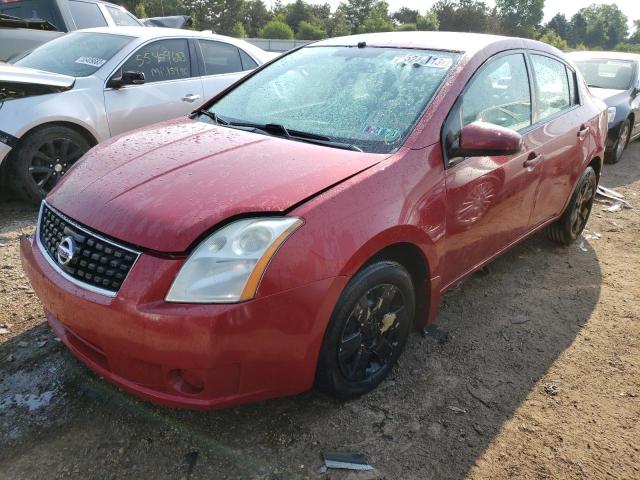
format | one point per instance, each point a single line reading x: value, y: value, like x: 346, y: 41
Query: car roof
x: 149, y: 33
x: 451, y: 41
x: 159, y: 32
x: 604, y: 55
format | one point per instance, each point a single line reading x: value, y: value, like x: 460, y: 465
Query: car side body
x: 162, y: 189
x: 623, y: 100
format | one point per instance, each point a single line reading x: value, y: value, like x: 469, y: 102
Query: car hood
x: 163, y: 186
x: 21, y: 82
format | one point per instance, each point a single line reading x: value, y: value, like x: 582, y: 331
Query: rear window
x: 78, y: 54
x: 606, y: 73
x: 86, y: 15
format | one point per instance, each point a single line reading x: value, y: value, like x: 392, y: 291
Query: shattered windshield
x: 367, y: 97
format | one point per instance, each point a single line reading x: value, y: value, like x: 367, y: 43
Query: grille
x: 96, y: 262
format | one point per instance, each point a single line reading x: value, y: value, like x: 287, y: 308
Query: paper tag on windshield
x: 439, y: 62
x: 93, y: 61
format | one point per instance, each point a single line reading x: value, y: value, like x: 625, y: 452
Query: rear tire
x: 42, y: 158
x: 569, y: 226
x: 367, y: 331
x: 621, y: 143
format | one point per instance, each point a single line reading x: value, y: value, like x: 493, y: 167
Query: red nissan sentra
x: 298, y: 226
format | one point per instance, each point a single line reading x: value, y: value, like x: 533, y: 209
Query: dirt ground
x: 539, y: 378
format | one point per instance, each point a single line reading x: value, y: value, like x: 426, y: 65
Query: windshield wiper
x: 213, y: 116
x: 281, y: 131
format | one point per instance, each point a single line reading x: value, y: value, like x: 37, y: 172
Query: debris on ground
x: 519, y: 319
x: 458, y: 410
x: 345, y: 461
x: 432, y: 331
x: 611, y: 197
x: 551, y: 389
x: 582, y: 247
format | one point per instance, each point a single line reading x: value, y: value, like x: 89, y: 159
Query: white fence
x: 272, y: 45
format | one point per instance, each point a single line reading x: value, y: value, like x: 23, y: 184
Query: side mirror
x: 121, y: 79
x: 479, y: 139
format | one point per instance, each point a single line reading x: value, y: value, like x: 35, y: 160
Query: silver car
x: 82, y: 88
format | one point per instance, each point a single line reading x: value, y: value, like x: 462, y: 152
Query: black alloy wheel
x: 621, y: 143
x: 371, y: 334
x: 42, y: 158
x: 367, y: 330
x: 573, y: 220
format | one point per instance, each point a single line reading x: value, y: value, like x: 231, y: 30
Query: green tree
x: 406, y: 27
x: 256, y: 16
x: 606, y: 25
x: 338, y: 25
x: 462, y: 15
x: 140, y: 11
x: 356, y: 11
x: 428, y: 21
x: 520, y: 17
x: 577, y: 33
x: 378, y: 20
x: 296, y: 12
x: 553, y: 39
x: 276, y: 29
x: 405, y: 15
x: 559, y: 24
x: 635, y: 38
x: 310, y: 31
x: 238, y: 30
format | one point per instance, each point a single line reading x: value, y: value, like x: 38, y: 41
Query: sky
x: 631, y: 8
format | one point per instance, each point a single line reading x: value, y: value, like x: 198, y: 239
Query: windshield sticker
x: 390, y: 135
x: 92, y: 61
x: 432, y: 61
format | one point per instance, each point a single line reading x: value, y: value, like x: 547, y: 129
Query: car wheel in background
x: 570, y: 225
x: 367, y: 330
x: 621, y: 143
x: 42, y: 158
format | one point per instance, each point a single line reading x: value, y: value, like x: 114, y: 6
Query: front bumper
x: 195, y: 356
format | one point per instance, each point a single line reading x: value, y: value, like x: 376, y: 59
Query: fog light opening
x: 187, y: 381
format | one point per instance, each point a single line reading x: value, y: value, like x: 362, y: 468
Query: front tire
x: 621, y: 143
x: 367, y: 331
x: 569, y: 226
x: 42, y: 158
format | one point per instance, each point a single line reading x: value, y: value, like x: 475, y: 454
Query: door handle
x: 191, y: 97
x: 532, y: 160
x: 582, y: 133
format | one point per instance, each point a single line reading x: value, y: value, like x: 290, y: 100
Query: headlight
x: 611, y: 114
x: 228, y: 265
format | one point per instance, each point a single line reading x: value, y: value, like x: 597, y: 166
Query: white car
x: 84, y: 87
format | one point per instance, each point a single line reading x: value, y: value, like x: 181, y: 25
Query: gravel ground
x: 538, y: 378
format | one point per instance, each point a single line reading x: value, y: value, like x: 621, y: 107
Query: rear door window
x: 220, y: 58
x: 161, y: 60
x: 86, y: 15
x: 553, y: 93
x: 248, y: 63
x: 122, y: 18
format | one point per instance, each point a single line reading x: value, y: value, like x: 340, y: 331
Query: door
x: 489, y: 199
x: 169, y: 90
x: 222, y: 64
x: 562, y: 131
